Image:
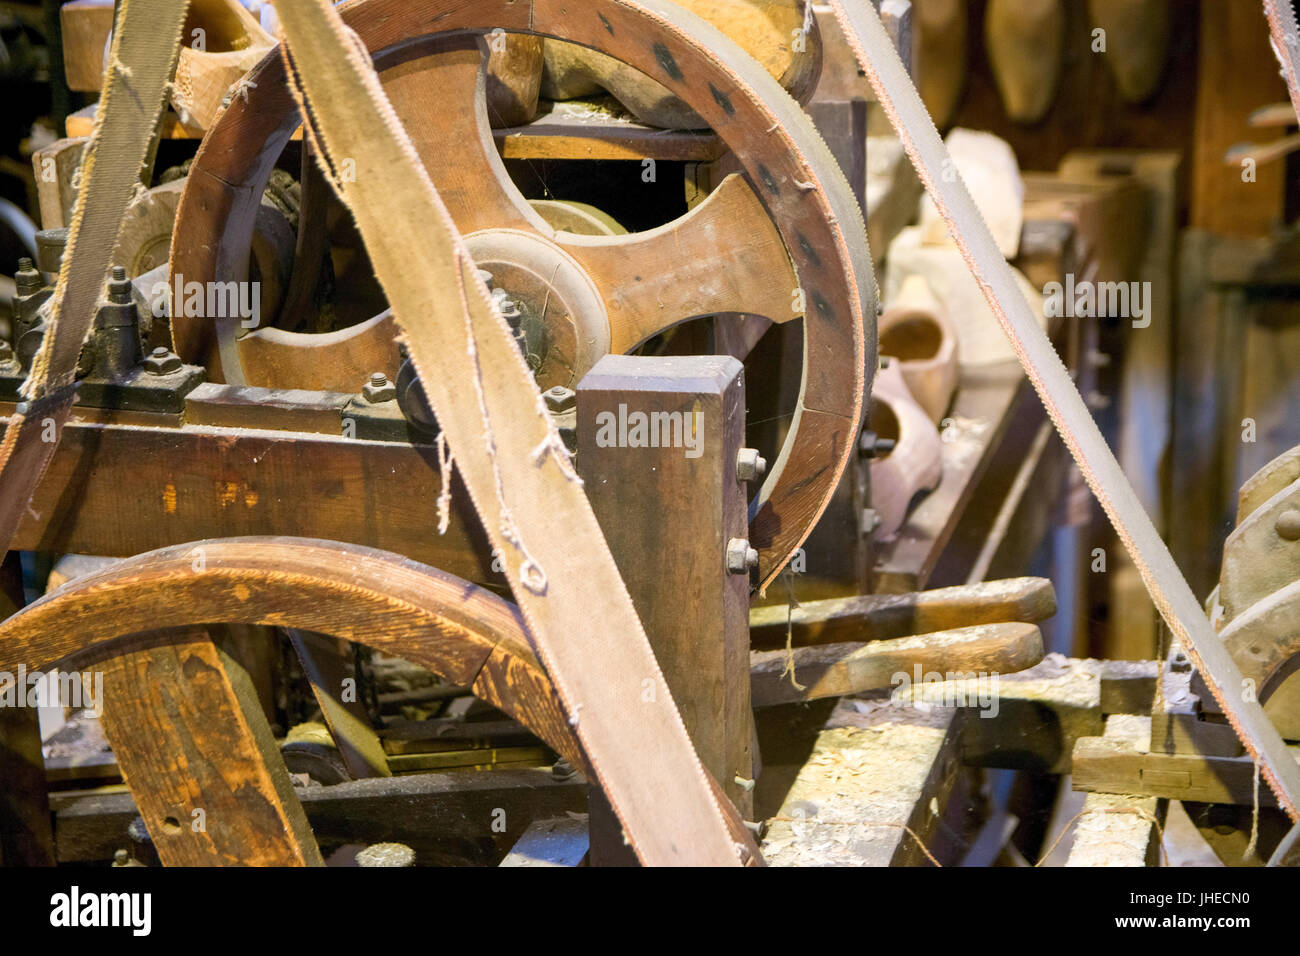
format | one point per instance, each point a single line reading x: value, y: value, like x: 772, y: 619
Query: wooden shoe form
x: 916, y: 463
x: 915, y: 332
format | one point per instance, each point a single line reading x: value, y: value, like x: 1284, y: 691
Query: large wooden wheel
x: 174, y: 708
x: 782, y: 240
x: 179, y: 712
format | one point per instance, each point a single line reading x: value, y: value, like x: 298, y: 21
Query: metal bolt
x: 162, y: 362
x: 741, y: 558
x: 27, y: 280
x: 750, y: 465
x: 560, y: 399
x: 872, y: 445
x: 563, y: 770
x: 1288, y: 525
x: 119, y: 287
x: 379, y: 389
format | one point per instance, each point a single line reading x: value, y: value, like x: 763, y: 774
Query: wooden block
x: 1118, y: 829
x: 669, y: 513
x: 196, y: 750
x: 56, y: 167
x: 159, y: 486
x: 834, y: 670
x: 85, y: 25
x: 875, y: 772
x: 1110, y: 765
x: 882, y: 616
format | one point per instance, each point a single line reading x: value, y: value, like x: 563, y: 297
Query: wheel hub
x: 559, y: 315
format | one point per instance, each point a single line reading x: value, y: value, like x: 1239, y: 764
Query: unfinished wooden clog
x: 222, y: 42
x: 915, y: 464
x: 1137, y: 39
x: 916, y: 334
x: 1025, y: 40
x: 941, y: 56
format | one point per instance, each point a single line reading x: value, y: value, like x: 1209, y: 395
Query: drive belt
x: 146, y: 45
x: 1166, y: 584
x: 514, y: 465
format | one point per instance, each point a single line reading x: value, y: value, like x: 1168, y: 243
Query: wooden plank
x: 153, y: 487
x: 673, y: 559
x: 881, y: 616
x: 1237, y: 73
x: 1108, y: 765
x: 196, y: 750
x: 874, y: 773
x: 455, y: 806
x: 328, y: 664
x: 833, y: 670
x: 85, y: 25
x: 582, y: 129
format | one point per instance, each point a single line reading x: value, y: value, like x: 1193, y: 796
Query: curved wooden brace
x: 459, y: 631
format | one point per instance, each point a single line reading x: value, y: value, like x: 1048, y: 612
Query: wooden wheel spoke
x: 195, y: 748
x: 455, y: 141
x: 691, y: 267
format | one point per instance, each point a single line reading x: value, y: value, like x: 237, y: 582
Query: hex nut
x: 560, y: 399
x: 741, y: 558
x: 162, y: 362
x: 379, y: 389
x: 750, y: 465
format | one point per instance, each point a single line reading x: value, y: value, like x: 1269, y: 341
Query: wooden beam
x: 328, y: 664
x: 670, y: 514
x: 875, y: 773
x: 1237, y: 73
x: 154, y: 487
x: 1109, y: 765
x: 455, y: 806
x: 196, y: 750
x: 1118, y: 829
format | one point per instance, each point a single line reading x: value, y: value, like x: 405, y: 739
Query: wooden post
x: 190, y: 736
x: 658, y: 446
x: 26, y: 836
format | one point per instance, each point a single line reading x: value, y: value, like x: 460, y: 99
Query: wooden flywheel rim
x: 788, y: 168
